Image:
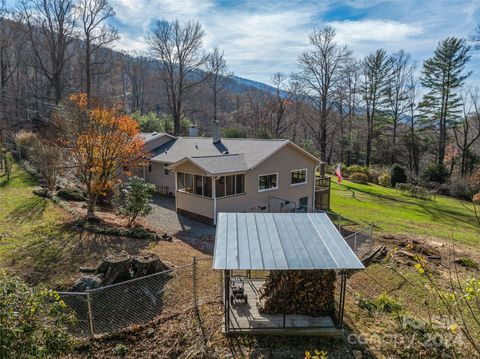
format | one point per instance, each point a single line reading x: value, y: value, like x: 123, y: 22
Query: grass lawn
x: 37, y: 241
x: 392, y: 212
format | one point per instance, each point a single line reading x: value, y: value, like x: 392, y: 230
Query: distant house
x: 211, y: 175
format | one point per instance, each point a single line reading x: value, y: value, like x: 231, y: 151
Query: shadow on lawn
x: 28, y: 210
x: 436, y: 214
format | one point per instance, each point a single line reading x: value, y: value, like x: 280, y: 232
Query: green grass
x: 391, y: 212
x: 38, y: 242
x: 32, y: 233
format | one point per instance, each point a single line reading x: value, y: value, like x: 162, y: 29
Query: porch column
x: 214, y: 194
x: 175, y: 193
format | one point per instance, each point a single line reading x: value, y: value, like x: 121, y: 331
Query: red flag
x: 338, y: 172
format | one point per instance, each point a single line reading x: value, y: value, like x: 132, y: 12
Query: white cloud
x: 351, y: 32
x: 263, y: 37
x: 257, y: 41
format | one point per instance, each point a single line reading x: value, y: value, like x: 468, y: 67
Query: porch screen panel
x: 230, y: 185
x: 180, y: 181
x: 188, y: 183
x: 207, y: 186
x: 198, y: 185
x: 220, y: 187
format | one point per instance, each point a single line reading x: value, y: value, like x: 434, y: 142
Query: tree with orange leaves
x: 102, y: 144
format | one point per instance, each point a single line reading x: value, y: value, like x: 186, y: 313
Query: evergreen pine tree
x: 443, y: 75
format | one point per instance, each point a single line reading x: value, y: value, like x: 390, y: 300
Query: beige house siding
x: 158, y: 177
x: 188, y: 167
x: 282, y: 162
x: 195, y: 204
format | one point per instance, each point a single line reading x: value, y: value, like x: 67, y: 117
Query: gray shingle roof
x: 254, y: 151
x: 221, y: 163
x: 280, y: 241
x: 149, y: 136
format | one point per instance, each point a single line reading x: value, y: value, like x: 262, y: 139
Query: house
x: 212, y: 175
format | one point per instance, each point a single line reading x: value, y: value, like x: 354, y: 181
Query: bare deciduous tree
x: 136, y: 68
x: 96, y: 33
x: 218, y: 78
x: 321, y: 69
x: 467, y: 131
x: 278, y: 105
x: 178, y: 47
x: 50, y: 25
x: 397, y: 93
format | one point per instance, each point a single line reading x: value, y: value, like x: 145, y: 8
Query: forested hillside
x: 378, y: 110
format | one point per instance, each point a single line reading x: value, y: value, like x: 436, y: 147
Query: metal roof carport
x: 281, y: 241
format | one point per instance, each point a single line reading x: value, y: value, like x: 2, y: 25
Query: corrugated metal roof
x: 280, y: 241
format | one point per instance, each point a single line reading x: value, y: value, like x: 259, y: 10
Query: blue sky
x: 263, y: 37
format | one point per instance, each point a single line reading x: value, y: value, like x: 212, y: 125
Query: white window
x: 267, y: 182
x: 298, y: 177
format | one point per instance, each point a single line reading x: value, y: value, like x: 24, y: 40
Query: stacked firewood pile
x: 298, y: 292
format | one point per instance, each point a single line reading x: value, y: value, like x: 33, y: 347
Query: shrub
x: 24, y: 140
x: 120, y: 350
x: 387, y: 304
x: 436, y: 173
x: 134, y: 199
x: 71, y: 194
x: 374, y: 175
x: 151, y: 122
x: 411, y: 190
x: 47, y: 158
x: 136, y: 232
x: 34, y: 322
x: 383, y: 303
x: 385, y: 180
x: 397, y: 175
x: 234, y: 132
x: 467, y: 263
x: 358, y: 177
x: 360, y: 169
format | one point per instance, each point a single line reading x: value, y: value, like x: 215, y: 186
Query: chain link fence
x: 112, y: 308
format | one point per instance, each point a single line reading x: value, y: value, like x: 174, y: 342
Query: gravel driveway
x: 166, y: 219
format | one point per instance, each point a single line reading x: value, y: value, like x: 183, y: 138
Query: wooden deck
x: 245, y: 318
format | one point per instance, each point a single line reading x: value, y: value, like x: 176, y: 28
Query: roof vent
x: 154, y: 133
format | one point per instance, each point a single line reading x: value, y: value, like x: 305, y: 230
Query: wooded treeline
x: 378, y: 110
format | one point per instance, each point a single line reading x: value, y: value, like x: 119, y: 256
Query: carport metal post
x: 343, y: 285
x: 226, y: 299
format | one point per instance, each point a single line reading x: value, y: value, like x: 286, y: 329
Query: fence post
x: 194, y: 276
x: 90, y: 315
